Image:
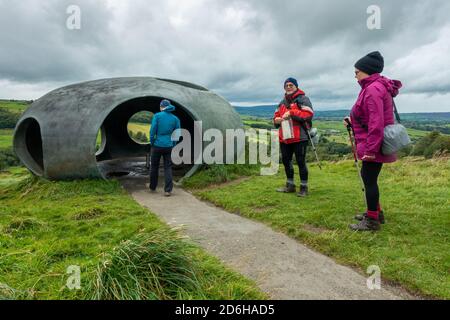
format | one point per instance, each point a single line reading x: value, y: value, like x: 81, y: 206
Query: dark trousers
x: 157, y: 153
x: 370, y: 172
x: 287, y: 152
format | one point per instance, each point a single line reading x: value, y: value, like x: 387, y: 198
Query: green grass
x: 413, y: 248
x: 45, y: 227
x: 164, y: 265
x: 325, y: 127
x: 6, y: 138
x: 217, y: 174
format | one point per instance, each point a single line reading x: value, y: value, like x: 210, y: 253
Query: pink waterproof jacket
x: 372, y: 112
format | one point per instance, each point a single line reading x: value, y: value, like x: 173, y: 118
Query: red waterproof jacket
x: 301, y: 111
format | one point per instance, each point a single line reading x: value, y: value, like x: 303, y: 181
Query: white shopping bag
x: 287, y: 128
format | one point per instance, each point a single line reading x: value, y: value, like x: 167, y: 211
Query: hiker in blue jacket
x: 164, y: 124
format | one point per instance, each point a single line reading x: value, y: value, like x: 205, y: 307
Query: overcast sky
x: 242, y: 50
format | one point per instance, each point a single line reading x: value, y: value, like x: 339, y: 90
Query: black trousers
x: 370, y: 172
x: 166, y: 154
x: 287, y: 152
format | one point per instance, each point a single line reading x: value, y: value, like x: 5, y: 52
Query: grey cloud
x: 39, y: 47
x: 241, y: 49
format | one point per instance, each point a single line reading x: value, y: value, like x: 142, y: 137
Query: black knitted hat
x: 370, y: 64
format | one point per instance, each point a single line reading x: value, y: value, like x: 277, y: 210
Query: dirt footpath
x: 281, y: 266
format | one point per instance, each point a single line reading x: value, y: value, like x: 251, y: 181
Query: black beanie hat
x: 370, y: 64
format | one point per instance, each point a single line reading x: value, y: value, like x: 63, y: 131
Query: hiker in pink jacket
x: 372, y: 112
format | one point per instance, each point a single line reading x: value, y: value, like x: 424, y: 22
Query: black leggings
x: 287, y: 152
x: 370, y: 172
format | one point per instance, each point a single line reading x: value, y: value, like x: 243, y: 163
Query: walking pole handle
x: 349, y: 124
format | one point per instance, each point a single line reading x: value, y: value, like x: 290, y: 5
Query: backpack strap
x: 299, y: 100
x: 397, y: 115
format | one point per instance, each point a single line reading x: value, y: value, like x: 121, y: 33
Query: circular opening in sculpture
x: 125, y: 152
x: 28, y: 145
x: 139, y: 127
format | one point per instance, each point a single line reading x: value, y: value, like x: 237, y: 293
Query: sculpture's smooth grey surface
x: 56, y: 137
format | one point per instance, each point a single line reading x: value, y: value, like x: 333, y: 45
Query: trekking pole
x: 350, y: 131
x: 313, y: 146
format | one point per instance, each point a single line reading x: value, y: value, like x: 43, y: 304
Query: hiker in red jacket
x: 372, y: 112
x: 297, y: 112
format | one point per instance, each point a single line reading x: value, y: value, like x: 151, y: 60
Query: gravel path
x: 282, y: 267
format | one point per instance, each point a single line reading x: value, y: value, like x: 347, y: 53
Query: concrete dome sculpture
x: 56, y: 137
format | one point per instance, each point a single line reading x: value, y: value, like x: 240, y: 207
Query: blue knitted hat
x: 292, y: 80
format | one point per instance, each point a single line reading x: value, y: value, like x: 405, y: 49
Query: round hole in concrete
x: 121, y: 153
x: 28, y: 145
x: 139, y: 127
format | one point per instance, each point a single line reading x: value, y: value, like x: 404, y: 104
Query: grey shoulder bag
x: 395, y: 136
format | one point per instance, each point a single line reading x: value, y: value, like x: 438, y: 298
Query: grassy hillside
x: 412, y: 249
x: 139, y: 132
x: 123, y: 250
x: 14, y: 106
x: 139, y: 127
x: 47, y: 226
x: 6, y: 138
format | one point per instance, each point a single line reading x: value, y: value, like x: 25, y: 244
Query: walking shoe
x: 167, y: 194
x: 366, y: 224
x: 361, y: 216
x: 289, y: 188
x: 303, y: 191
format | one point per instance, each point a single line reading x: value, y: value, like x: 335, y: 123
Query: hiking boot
x: 167, y: 194
x: 361, y: 216
x: 303, y: 191
x: 366, y: 224
x: 289, y: 188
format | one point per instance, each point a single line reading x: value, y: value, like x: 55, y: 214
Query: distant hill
x: 441, y: 117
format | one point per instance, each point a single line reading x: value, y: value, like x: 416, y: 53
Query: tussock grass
x: 166, y: 266
x: 149, y: 267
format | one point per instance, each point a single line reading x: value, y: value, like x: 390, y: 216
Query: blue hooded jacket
x: 163, y: 126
